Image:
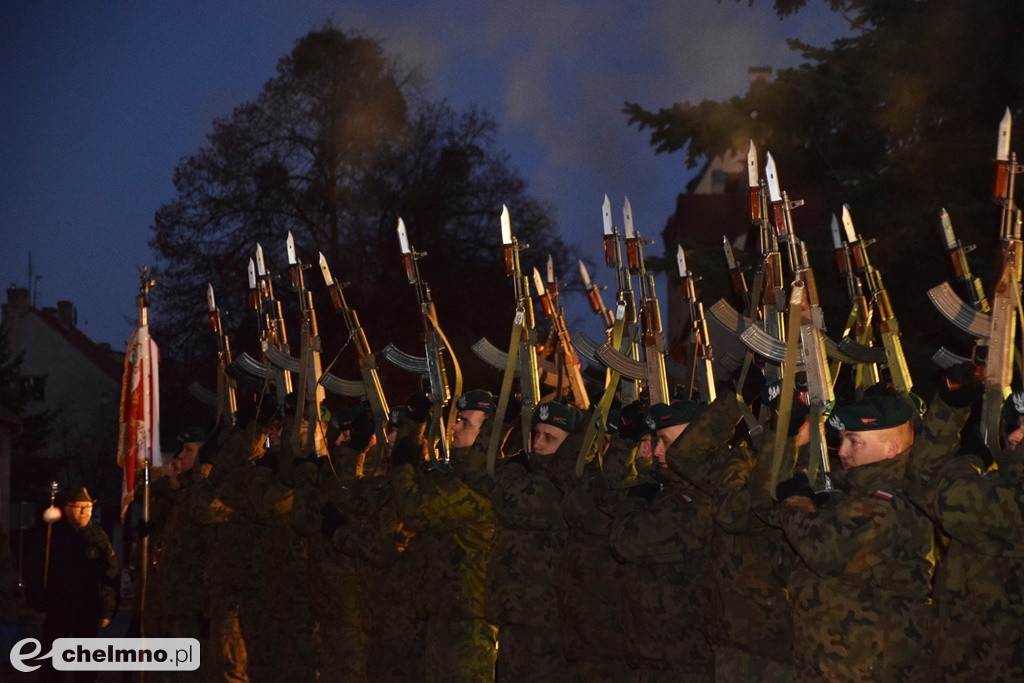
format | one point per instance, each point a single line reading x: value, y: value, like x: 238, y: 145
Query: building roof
x: 110, y: 362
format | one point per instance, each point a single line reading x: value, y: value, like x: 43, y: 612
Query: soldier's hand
x: 795, y: 486
x: 408, y: 450
x: 647, y: 490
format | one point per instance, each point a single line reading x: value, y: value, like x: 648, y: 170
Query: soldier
x: 73, y: 578
x: 662, y: 530
x: 176, y: 607
x: 530, y: 533
x: 748, y: 613
x: 324, y: 498
x: 389, y: 576
x: 449, y: 510
x: 860, y: 595
x: 590, y: 578
x: 978, y: 500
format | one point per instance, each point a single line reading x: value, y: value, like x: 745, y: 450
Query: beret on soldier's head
x: 557, y: 415
x: 872, y: 413
x: 614, y: 420
x: 664, y: 415
x: 344, y: 418
x: 191, y: 434
x: 477, y: 399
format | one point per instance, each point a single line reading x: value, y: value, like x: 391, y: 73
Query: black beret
x: 871, y: 413
x: 477, y: 399
x: 191, y: 434
x: 663, y: 415
x: 344, y: 418
x: 1013, y: 409
x: 557, y: 415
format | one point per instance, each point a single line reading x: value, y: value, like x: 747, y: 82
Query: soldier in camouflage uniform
x: 449, y: 510
x: 590, y: 578
x: 219, y: 501
x: 325, y: 497
x: 521, y: 570
x: 661, y: 530
x: 860, y: 594
x: 979, y: 601
x: 748, y: 612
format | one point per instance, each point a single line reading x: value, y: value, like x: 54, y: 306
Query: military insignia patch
x: 1018, y: 401
x: 650, y: 422
x: 773, y: 391
x: 883, y: 495
x: 836, y: 423
x: 461, y: 403
x: 543, y: 412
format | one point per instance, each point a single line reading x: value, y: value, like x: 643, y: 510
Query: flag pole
x: 142, y: 301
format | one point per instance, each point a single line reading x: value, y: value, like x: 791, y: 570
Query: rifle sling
x: 506, y: 390
x: 788, y: 383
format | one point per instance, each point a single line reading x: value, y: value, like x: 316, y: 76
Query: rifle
x: 271, y: 327
x: 311, y: 396
x: 370, y: 386
x: 969, y: 284
x: 702, y: 379
x: 227, y: 404
x: 522, y: 347
x: 595, y: 298
x: 652, y: 371
x: 737, y: 280
x: 562, y: 346
x: 885, y: 318
x: 431, y: 366
x: 859, y: 321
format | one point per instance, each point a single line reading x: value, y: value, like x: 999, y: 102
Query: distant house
x: 74, y: 378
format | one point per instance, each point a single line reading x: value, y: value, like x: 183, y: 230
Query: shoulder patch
x: 883, y: 495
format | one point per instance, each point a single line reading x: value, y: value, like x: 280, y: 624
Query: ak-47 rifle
x: 568, y: 363
x: 622, y: 337
x: 996, y: 329
x: 431, y: 366
x: 595, y: 298
x: 737, y: 280
x: 651, y: 372
x: 885, y: 322
x: 522, y: 348
x: 310, y: 393
x: 702, y: 378
x: 271, y: 329
x: 858, y: 324
x: 227, y: 404
x: 970, y: 286
x: 370, y: 385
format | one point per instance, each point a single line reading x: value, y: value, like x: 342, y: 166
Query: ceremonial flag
x: 139, y: 430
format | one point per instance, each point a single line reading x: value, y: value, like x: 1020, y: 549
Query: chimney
x: 66, y: 313
x: 17, y: 303
x: 756, y: 74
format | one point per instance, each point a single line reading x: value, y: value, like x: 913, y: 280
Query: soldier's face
x: 467, y: 428
x: 187, y: 457
x: 862, y: 448
x: 547, y: 438
x: 78, y: 514
x: 667, y: 437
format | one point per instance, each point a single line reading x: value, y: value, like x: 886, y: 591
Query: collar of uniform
x: 885, y: 474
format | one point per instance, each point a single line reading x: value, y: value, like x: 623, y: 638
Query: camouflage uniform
x: 521, y: 570
x: 748, y: 611
x: 664, y: 539
x: 219, y: 502
x: 860, y: 595
x: 979, y: 585
x: 332, y: 577
x: 390, y: 575
x: 454, y: 521
x: 590, y: 578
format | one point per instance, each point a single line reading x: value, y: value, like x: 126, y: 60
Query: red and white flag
x: 139, y: 430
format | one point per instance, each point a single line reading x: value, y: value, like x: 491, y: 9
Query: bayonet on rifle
x: 702, y: 378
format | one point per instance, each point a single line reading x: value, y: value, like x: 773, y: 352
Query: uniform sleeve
x: 666, y: 530
x: 983, y: 511
x: 525, y: 500
x: 435, y: 503
x: 847, y: 536
x: 692, y: 454
x: 110, y: 586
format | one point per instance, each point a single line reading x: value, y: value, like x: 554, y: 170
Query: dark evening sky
x: 99, y: 101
